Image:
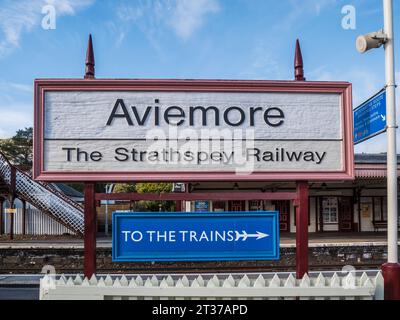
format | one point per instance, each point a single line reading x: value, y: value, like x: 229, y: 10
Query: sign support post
x: 301, y: 203
x: 301, y: 207
x: 90, y: 230
x: 90, y: 216
x: 391, y: 269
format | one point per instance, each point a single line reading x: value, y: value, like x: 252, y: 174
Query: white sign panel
x: 139, y: 132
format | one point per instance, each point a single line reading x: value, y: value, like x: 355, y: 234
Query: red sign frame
x: 342, y: 88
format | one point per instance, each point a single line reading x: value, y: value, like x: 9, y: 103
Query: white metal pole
x: 391, y: 133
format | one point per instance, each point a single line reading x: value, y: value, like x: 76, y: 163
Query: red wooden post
x: 90, y: 200
x: 301, y: 207
x: 178, y: 206
x: 301, y: 203
x: 90, y: 230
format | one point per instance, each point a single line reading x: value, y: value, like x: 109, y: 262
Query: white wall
x: 331, y: 227
x: 366, y: 214
x: 312, y: 222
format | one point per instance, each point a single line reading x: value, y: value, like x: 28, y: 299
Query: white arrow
x: 383, y: 117
x: 244, y: 235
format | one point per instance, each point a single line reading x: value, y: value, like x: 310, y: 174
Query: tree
x: 18, y: 149
x: 147, y: 188
x: 155, y: 188
x: 124, y: 187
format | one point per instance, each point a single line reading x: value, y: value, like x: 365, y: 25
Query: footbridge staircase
x: 43, y: 196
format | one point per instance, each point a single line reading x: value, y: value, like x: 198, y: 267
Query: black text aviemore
x: 195, y: 115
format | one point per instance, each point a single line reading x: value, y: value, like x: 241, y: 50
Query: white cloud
x: 152, y: 17
x: 188, y: 15
x: 15, y: 109
x: 319, y: 5
x: 15, y: 87
x: 22, y: 16
x: 263, y: 62
x: 300, y: 9
x: 365, y: 83
x: 12, y: 118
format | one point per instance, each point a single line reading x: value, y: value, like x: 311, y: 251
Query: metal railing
x: 44, y: 198
x: 315, y: 286
x: 61, y: 195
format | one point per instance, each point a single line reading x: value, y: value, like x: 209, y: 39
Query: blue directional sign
x: 201, y: 205
x: 370, y: 118
x: 141, y: 236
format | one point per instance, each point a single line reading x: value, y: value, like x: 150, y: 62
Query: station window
x: 380, y: 208
x: 236, y: 205
x: 256, y: 205
x: 330, y: 210
x: 219, y: 206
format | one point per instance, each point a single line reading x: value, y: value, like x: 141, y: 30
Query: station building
x: 344, y: 206
x: 341, y: 206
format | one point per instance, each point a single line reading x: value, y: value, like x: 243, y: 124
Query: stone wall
x: 71, y: 260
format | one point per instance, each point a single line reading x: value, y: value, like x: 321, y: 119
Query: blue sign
x: 167, y: 236
x: 370, y: 118
x: 201, y: 206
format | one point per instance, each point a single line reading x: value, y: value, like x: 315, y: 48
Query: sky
x: 187, y: 39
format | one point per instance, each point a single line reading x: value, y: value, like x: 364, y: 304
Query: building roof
x: 370, y: 173
x: 371, y: 165
x: 372, y: 158
x: 68, y: 191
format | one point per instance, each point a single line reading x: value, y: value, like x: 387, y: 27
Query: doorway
x: 283, y: 207
x: 236, y: 205
x: 346, y: 214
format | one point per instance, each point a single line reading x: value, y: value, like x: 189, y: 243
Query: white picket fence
x: 364, y: 286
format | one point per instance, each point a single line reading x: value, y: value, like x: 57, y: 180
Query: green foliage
x: 18, y: 149
x: 124, y: 187
x: 155, y: 188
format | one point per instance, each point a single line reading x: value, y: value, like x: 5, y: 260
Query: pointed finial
x: 89, y: 70
x: 298, y: 64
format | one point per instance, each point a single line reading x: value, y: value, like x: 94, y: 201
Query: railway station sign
x: 370, y: 118
x: 195, y: 236
x: 178, y: 187
x: 192, y: 130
